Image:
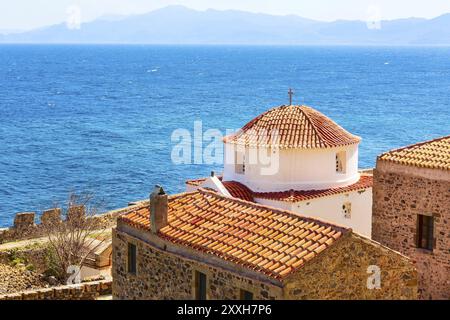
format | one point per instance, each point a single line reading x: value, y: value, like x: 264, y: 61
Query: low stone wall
x: 83, y: 291
x: 25, y: 227
x: 37, y: 257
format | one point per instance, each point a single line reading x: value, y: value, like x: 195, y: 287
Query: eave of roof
x: 365, y: 182
x: 240, y: 191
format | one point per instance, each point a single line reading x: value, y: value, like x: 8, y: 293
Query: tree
x: 74, y: 238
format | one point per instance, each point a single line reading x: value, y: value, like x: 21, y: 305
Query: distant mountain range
x: 10, y: 31
x: 180, y: 25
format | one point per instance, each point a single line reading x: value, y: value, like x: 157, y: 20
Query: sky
x: 30, y: 14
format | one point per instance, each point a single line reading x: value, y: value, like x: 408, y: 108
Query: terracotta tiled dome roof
x: 296, y: 127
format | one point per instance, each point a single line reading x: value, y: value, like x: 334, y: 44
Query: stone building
x: 204, y: 245
x: 411, y: 210
x: 296, y: 158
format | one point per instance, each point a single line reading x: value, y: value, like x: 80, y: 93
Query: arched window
x: 239, y: 162
x: 341, y: 162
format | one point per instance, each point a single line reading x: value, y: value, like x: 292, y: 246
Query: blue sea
x: 100, y: 118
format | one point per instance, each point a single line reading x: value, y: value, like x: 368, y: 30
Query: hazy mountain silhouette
x: 180, y: 25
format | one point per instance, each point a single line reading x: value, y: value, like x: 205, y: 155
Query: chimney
x: 158, y: 209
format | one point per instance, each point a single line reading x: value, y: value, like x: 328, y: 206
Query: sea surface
x: 100, y: 118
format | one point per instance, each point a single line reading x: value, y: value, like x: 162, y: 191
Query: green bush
x: 51, y: 261
x: 15, y: 259
x: 30, y: 267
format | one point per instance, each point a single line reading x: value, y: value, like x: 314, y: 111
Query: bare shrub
x: 73, y: 240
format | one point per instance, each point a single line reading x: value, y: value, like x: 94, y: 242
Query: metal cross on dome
x: 290, y: 93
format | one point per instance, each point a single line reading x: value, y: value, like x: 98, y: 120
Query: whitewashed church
x: 312, y: 168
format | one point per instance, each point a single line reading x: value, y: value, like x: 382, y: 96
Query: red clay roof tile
x: 238, y: 190
x: 281, y: 242
x: 366, y: 181
x: 434, y: 154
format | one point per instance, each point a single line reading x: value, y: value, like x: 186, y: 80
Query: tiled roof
x: 238, y: 190
x: 296, y: 127
x: 434, y: 154
x: 267, y: 240
x: 366, y: 181
x: 198, y: 182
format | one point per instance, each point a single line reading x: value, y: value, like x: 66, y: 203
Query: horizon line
x: 123, y: 17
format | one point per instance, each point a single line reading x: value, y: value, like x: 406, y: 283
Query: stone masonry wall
x: 164, y: 276
x: 25, y: 227
x: 83, y: 291
x: 338, y: 273
x: 341, y: 272
x: 400, y: 194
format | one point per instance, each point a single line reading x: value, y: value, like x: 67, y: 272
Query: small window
x: 341, y: 164
x: 239, y: 162
x: 246, y: 295
x: 347, y: 210
x: 425, y: 232
x: 131, y: 258
x: 200, y: 286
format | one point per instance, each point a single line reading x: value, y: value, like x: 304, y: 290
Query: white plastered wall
x: 330, y: 209
x: 297, y: 169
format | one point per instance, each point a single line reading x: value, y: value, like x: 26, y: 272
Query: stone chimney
x: 158, y: 209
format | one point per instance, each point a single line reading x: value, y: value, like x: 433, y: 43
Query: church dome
x: 296, y: 127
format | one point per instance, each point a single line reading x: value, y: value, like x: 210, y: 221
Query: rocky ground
x: 15, y: 279
x: 23, y: 264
